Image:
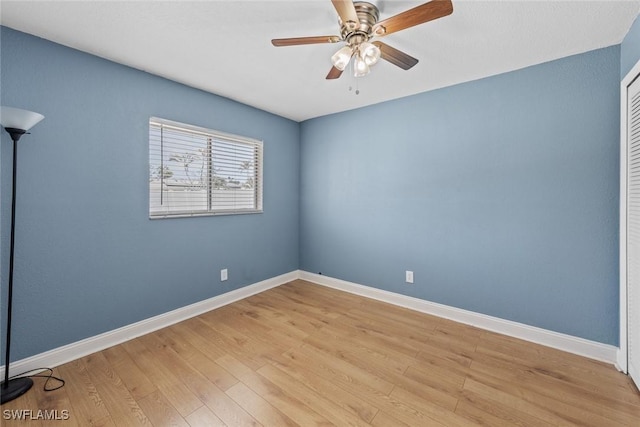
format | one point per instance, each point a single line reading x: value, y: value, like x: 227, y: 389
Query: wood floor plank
x: 88, y: 407
x: 528, y: 402
x: 387, y: 373
x: 413, y: 319
x: 331, y: 342
x: 430, y: 410
x: 340, y: 301
x: 432, y: 375
x: 489, y: 412
x: 204, y: 417
x: 383, y: 420
x: 285, y: 402
x: 160, y: 411
x: 205, y: 390
x: 251, y: 323
x: 373, y: 334
x: 270, y: 339
x: 54, y: 403
x: 220, y: 404
x: 590, y: 401
x: 271, y: 318
x: 462, y: 339
x: 325, y: 386
x: 133, y: 378
x: 122, y: 406
x: 552, y: 360
x: 321, y: 312
x: 197, y: 359
x: 343, y: 369
x: 477, y: 416
x: 259, y: 408
x: 347, y: 379
x: 393, y: 325
x: 304, y: 354
x: 431, y: 352
x: 161, y: 372
x: 306, y: 324
x: 335, y: 413
x: 239, y: 346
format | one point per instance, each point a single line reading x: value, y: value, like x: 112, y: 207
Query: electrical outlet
x: 408, y: 276
x: 224, y: 275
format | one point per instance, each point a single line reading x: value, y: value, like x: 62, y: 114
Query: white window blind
x: 195, y: 171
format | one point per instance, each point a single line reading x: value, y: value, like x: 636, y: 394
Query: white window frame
x: 164, y: 193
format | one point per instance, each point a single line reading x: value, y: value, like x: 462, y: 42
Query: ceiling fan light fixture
x: 341, y: 58
x: 360, y: 67
x: 359, y: 22
x: 370, y: 53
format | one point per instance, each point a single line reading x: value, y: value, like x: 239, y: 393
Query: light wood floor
x: 302, y: 354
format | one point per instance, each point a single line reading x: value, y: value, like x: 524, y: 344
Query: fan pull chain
x: 356, y: 79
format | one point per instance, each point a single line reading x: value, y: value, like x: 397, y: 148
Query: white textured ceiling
x: 224, y: 46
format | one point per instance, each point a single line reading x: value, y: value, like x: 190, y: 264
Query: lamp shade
x: 360, y: 67
x: 19, y: 119
x: 370, y: 53
x: 341, y: 58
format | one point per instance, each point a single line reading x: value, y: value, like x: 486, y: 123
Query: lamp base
x: 14, y: 389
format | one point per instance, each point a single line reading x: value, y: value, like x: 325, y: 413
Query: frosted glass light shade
x: 360, y: 67
x: 370, y: 53
x: 341, y: 58
x: 19, y: 119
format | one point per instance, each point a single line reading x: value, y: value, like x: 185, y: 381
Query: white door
x: 633, y: 230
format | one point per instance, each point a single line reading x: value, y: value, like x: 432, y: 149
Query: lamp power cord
x: 38, y: 373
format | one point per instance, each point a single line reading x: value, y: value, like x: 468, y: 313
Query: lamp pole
x: 16, y: 122
x: 17, y: 387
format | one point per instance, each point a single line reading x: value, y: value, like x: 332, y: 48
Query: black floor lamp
x: 17, y: 122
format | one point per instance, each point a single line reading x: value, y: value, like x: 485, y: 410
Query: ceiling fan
x: 359, y: 24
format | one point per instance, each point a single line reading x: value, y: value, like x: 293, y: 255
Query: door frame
x: 622, y: 359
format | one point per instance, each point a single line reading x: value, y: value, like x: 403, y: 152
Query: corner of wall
x: 630, y: 48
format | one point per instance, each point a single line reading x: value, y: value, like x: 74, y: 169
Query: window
x: 195, y: 171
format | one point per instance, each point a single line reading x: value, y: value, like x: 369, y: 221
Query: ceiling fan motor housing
x: 355, y: 33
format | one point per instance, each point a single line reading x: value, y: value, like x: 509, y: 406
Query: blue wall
x: 500, y: 194
x: 630, y: 49
x: 88, y: 259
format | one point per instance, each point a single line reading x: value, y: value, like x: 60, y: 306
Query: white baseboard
x: 73, y: 351
x: 76, y: 350
x: 621, y: 361
x: 591, y: 349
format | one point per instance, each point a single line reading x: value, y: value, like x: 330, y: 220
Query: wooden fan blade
x: 346, y: 10
x: 334, y: 73
x: 418, y: 15
x: 294, y: 41
x: 395, y: 56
